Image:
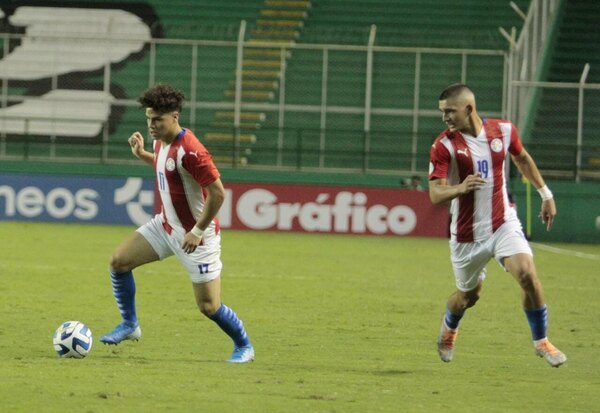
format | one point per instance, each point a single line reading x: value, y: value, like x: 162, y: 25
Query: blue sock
x: 538, y: 322
x: 452, y: 319
x: 123, y: 286
x: 229, y: 322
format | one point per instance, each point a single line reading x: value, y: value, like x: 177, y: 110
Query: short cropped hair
x: 455, y: 90
x: 162, y: 98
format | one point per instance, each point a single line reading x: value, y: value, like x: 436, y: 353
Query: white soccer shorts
x: 203, y: 265
x: 469, y: 259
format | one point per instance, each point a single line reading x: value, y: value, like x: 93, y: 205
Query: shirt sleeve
x: 439, y: 161
x: 516, y: 146
x: 198, y: 162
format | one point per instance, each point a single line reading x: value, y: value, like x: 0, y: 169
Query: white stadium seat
x: 80, y: 113
x: 63, y: 40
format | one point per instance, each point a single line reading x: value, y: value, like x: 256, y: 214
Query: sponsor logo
x: 349, y: 212
x: 463, y: 152
x: 58, y: 203
x: 135, y: 199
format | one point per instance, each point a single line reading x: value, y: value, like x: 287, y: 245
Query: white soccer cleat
x: 544, y: 348
x: 445, y: 342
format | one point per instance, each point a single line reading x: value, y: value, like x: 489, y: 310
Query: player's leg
x: 458, y: 303
x: 208, y: 299
x: 456, y: 306
x: 204, y: 266
x: 468, y: 262
x: 522, y: 268
x: 136, y: 250
x: 513, y: 252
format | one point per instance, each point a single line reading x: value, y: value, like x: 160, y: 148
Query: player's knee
x: 470, y: 299
x: 208, y: 308
x: 526, y: 277
x: 119, y: 263
x: 527, y: 280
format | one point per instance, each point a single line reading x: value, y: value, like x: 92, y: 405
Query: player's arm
x: 440, y: 191
x: 528, y: 168
x: 214, y: 200
x: 136, y: 141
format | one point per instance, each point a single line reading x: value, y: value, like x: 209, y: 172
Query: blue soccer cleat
x: 124, y: 331
x: 243, y: 354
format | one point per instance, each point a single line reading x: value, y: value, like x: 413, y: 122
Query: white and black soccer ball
x: 73, y: 339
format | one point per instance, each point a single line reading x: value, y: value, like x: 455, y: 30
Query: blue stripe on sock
x: 123, y: 285
x: 229, y: 322
x: 538, y: 321
x: 452, y: 320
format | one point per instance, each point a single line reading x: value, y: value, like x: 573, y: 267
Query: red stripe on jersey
x: 493, y: 132
x: 167, y: 227
x: 177, y: 191
x: 466, y: 203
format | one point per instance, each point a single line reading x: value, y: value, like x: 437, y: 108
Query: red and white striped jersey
x: 183, y: 168
x: 454, y: 155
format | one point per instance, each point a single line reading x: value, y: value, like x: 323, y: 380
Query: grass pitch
x: 339, y: 323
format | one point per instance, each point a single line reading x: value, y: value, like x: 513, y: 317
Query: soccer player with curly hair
x: 191, y: 194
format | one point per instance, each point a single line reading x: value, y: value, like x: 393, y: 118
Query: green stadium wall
x: 578, y: 208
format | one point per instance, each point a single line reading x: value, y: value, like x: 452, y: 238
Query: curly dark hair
x: 162, y: 98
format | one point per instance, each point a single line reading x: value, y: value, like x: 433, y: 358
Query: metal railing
x: 377, y: 107
x: 584, y: 144
x: 376, y: 113
x: 524, y: 87
x: 525, y: 54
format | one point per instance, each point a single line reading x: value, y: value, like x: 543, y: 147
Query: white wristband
x: 545, y: 193
x: 196, y: 231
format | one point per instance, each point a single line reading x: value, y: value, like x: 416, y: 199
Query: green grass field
x: 339, y: 323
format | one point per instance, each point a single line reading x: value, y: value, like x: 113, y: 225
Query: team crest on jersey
x: 170, y: 164
x: 496, y: 145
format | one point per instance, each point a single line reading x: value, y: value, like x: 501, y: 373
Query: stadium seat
x: 82, y: 114
x: 81, y: 37
x: 414, y: 23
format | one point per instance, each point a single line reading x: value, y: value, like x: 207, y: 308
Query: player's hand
x: 190, y: 243
x: 136, y: 141
x: 548, y: 213
x: 471, y: 183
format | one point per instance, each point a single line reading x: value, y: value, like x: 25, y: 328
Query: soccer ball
x: 73, y: 339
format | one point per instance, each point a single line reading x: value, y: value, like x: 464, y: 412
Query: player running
x: 467, y: 168
x: 191, y: 194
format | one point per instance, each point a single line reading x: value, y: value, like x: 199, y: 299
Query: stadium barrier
x: 271, y: 207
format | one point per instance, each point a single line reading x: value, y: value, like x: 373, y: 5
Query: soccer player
x: 191, y: 194
x: 467, y: 168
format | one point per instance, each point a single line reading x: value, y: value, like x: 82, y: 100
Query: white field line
x: 563, y: 251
